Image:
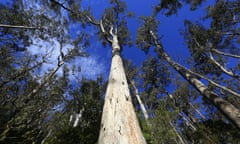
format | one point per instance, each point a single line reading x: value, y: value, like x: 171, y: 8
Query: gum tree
x: 119, y: 123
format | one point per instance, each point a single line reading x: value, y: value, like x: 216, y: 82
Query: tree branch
x: 64, y: 7
x: 228, y: 72
x: 88, y: 18
x: 211, y: 82
x: 104, y: 32
x: 225, y: 54
x: 18, y: 26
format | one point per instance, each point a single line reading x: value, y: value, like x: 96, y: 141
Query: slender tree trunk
x: 201, y: 115
x: 144, y: 111
x: 230, y: 111
x: 119, y: 123
x: 176, y: 132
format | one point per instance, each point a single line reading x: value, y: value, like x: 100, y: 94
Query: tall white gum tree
x: 119, y: 124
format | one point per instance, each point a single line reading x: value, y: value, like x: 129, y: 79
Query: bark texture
x: 119, y: 123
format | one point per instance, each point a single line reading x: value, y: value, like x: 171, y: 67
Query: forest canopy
x: 174, y: 76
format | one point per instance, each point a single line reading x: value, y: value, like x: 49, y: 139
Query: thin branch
x: 171, y: 97
x: 188, y: 123
x: 202, y: 116
x: 64, y: 7
x: 228, y: 72
x: 211, y: 82
x: 104, y: 32
x: 102, y: 27
x: 92, y: 21
x: 73, y: 12
x: 46, y: 80
x: 18, y: 26
x: 88, y: 18
x: 229, y: 33
x: 225, y: 54
x: 21, y: 73
x: 111, y: 31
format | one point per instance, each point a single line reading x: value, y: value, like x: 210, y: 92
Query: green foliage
x: 87, y: 99
x: 115, y: 17
x: 213, y: 132
x: 155, y: 74
x: 171, y: 7
x: 160, y: 129
x: 144, y: 41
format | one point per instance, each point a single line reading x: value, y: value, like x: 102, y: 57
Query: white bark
x: 119, y: 123
x: 77, y: 117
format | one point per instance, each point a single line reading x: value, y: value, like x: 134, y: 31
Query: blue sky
x: 170, y: 28
x: 100, y: 58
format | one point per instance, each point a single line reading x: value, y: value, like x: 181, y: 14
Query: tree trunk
x: 119, y: 123
x: 144, y: 111
x: 230, y: 111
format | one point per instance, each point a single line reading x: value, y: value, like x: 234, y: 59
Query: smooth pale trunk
x: 119, y: 123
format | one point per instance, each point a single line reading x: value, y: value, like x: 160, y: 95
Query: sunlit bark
x: 119, y: 124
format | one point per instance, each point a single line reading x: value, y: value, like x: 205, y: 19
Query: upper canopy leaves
x: 144, y: 40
